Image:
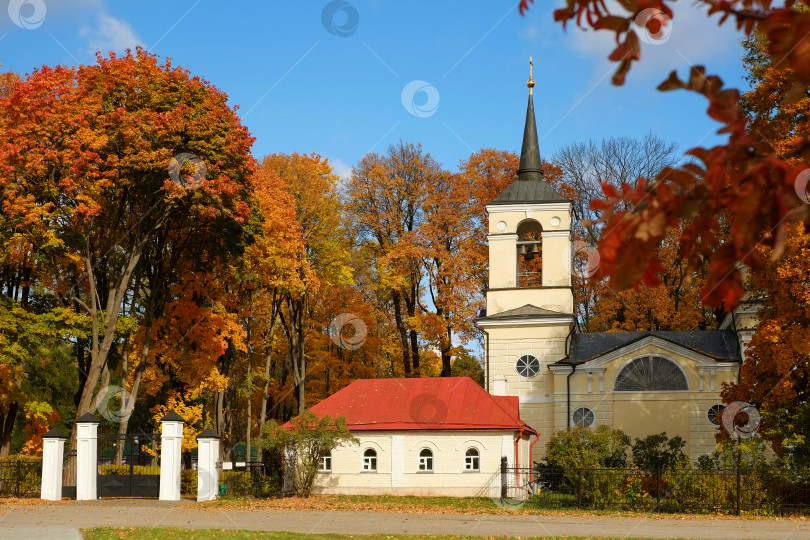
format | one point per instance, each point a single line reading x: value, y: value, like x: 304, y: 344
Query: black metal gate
x: 128, y: 465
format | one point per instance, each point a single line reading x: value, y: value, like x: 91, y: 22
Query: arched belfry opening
x: 529, y: 254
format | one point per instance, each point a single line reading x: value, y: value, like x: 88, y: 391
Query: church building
x: 640, y: 382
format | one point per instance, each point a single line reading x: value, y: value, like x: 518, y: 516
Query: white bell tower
x: 530, y: 301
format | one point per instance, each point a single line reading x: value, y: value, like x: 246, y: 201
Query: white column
x: 86, y: 457
x: 171, y: 439
x: 53, y: 455
x: 499, y: 386
x: 207, y: 474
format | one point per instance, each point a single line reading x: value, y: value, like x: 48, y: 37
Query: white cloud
x: 110, y: 34
x: 694, y: 39
x: 341, y: 169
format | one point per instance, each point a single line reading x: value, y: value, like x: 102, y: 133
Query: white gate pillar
x: 86, y: 457
x: 53, y: 455
x: 171, y: 441
x: 207, y: 474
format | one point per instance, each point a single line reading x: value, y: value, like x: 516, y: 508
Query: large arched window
x: 530, y: 254
x: 650, y: 374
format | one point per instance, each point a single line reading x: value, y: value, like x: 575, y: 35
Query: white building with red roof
x: 425, y: 436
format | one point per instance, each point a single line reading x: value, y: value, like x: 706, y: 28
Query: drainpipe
x: 486, y: 361
x: 531, y: 457
x: 517, y: 455
x: 568, y: 396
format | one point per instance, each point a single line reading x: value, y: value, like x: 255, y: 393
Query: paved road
x: 62, y: 521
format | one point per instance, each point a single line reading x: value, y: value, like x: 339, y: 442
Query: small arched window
x: 426, y: 460
x: 472, y: 460
x: 370, y: 460
x: 651, y: 374
x: 530, y: 254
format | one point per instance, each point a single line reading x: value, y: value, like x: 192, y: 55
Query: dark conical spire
x: 529, y: 168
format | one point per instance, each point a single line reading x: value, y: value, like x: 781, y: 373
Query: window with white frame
x: 325, y: 463
x: 472, y: 460
x: 370, y: 460
x: 426, y: 460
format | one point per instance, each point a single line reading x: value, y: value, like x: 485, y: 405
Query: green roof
x: 528, y: 191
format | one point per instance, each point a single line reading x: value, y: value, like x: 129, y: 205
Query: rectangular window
x: 370, y: 463
x: 325, y: 463
x: 471, y: 463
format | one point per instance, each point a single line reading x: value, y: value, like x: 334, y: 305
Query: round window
x: 714, y: 413
x: 584, y: 417
x: 528, y: 365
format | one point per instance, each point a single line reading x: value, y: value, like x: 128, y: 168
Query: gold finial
x: 530, y: 84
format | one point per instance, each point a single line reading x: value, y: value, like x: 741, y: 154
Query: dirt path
x: 63, y: 519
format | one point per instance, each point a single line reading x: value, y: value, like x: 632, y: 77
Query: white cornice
x: 591, y: 369
x: 503, y: 236
x: 528, y: 207
x: 551, y: 234
x: 560, y: 369
x: 538, y: 321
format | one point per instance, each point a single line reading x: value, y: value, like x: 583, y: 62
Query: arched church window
x: 527, y: 366
x: 530, y: 254
x: 651, y: 374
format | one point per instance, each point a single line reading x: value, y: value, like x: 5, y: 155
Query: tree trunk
x: 103, y: 335
x: 403, y: 332
x: 410, y: 304
x: 275, y: 305
x: 446, y: 356
x: 7, y: 428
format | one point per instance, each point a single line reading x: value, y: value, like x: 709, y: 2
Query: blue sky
x: 325, y: 77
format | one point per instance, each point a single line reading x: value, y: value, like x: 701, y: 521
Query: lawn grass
x: 436, y: 505
x: 376, y: 503
x: 143, y: 533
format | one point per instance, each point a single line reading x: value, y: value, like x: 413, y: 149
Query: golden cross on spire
x: 530, y: 84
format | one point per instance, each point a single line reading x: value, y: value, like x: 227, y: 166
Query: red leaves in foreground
x: 745, y: 188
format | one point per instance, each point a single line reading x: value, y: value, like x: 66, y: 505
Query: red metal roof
x: 430, y: 403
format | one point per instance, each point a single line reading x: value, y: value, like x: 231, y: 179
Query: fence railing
x: 251, y: 479
x: 20, y: 477
x: 678, y: 490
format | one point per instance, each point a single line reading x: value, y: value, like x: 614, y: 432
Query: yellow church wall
x: 557, y: 299
x: 639, y: 414
x: 502, y: 261
x: 556, y: 250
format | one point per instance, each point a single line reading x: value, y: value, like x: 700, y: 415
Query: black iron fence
x: 128, y: 465
x: 249, y: 479
x: 680, y: 491
x: 20, y: 476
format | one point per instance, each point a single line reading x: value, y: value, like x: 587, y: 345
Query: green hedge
x: 188, y: 482
x: 124, y: 469
x: 250, y: 484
